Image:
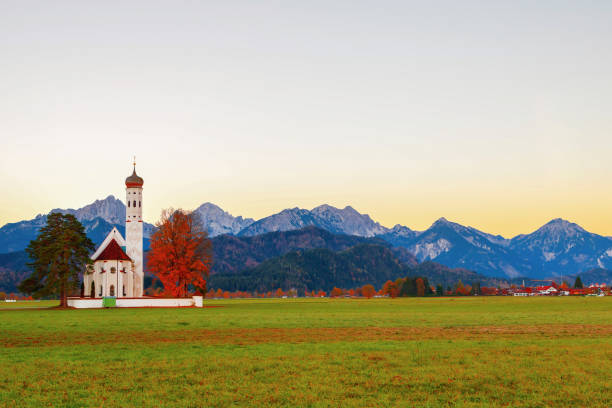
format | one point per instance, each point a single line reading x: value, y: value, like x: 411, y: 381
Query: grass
x: 466, y: 352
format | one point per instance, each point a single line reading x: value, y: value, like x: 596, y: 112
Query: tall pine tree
x: 59, y: 254
x: 578, y: 283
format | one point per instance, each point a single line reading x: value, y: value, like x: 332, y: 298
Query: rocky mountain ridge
x: 559, y: 248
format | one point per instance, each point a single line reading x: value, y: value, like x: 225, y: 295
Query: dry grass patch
x: 245, y: 336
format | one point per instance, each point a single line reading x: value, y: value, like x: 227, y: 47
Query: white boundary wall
x: 84, y: 303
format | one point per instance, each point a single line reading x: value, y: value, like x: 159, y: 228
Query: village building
x: 547, y: 290
x: 117, y: 268
x: 523, y: 291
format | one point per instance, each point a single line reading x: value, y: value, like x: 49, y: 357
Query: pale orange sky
x: 492, y: 115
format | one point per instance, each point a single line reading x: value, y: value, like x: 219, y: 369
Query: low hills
x: 232, y: 254
x: 316, y: 269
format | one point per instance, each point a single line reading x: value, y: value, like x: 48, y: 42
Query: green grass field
x: 465, y: 352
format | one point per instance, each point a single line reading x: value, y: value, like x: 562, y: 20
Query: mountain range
x: 559, y: 248
x: 98, y: 218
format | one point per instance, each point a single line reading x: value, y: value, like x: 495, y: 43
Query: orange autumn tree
x: 368, y: 291
x: 181, y: 253
x: 390, y: 288
x: 420, y: 287
x: 336, y: 292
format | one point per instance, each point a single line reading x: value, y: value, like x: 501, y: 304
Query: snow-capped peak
x: 218, y: 222
x: 347, y: 221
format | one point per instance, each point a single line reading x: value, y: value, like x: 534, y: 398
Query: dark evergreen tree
x: 476, y: 288
x: 578, y: 283
x: 58, y: 256
x: 428, y: 291
x: 409, y: 287
x: 439, y: 290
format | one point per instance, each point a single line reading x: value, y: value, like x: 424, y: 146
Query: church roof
x: 112, y: 252
x: 112, y: 235
x: 134, y: 180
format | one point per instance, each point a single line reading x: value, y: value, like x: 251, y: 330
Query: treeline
x: 14, y: 296
x: 402, y: 287
x: 419, y: 286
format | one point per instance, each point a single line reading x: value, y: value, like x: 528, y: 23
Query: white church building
x: 117, y: 271
x: 117, y: 268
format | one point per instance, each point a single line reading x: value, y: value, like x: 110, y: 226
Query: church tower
x: 134, y: 229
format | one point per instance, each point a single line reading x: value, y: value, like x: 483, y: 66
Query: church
x: 117, y: 268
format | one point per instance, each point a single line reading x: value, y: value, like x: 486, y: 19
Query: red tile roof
x: 577, y: 291
x: 113, y: 252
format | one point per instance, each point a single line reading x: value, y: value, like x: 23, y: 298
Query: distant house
x: 489, y: 291
x: 525, y: 291
x: 547, y: 290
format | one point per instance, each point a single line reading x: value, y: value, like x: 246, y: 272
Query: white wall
x: 107, y: 278
x: 82, y: 303
x: 155, y: 302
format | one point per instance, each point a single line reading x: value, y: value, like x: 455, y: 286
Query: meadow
x: 460, y: 352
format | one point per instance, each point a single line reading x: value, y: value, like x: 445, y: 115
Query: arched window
x: 128, y: 203
x: 112, y: 290
x: 134, y: 203
x: 139, y: 204
x: 100, y: 291
x: 92, y: 293
x: 124, y: 294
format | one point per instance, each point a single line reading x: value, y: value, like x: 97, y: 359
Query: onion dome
x: 134, y: 180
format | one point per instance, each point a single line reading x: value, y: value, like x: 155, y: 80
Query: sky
x: 493, y: 114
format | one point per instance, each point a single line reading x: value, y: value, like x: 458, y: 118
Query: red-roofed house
x: 547, y: 290
x: 523, y: 291
x: 489, y: 291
